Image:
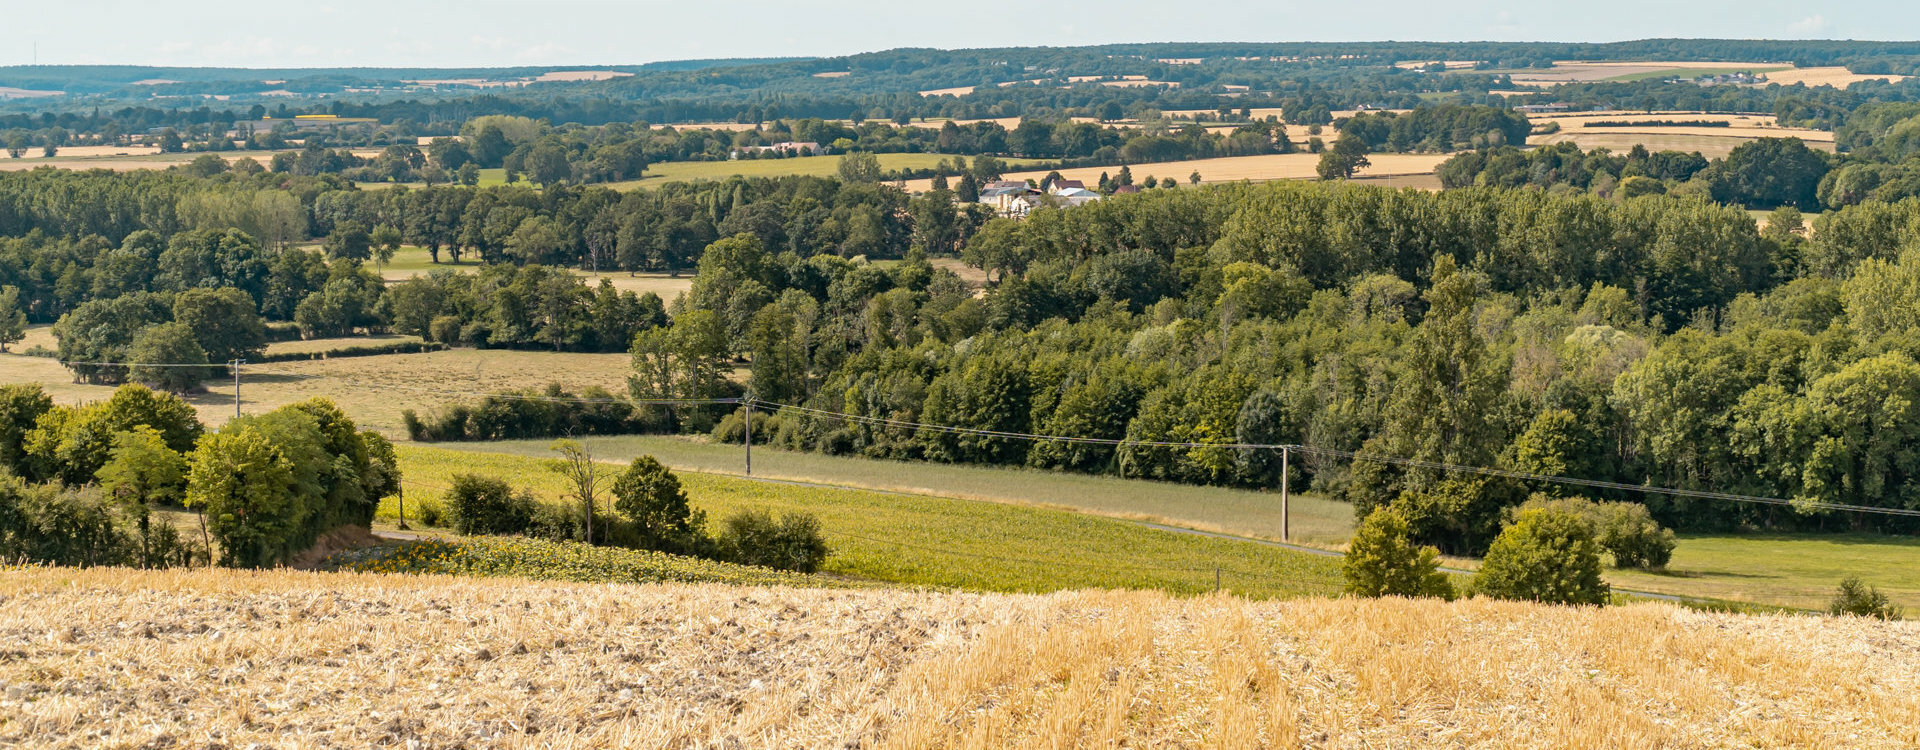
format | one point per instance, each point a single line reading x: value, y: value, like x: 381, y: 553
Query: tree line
x: 1661, y: 340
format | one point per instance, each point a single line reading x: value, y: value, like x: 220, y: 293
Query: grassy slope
x: 122, y: 658
x: 1314, y: 519
x: 1793, y: 570
x: 1799, y: 570
x: 949, y: 542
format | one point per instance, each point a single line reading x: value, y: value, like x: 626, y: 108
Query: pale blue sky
x: 473, y: 33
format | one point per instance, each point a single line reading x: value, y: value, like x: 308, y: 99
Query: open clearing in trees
x: 127, y: 658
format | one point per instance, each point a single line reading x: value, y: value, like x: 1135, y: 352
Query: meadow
x: 1314, y: 520
x: 197, y: 658
x: 374, y: 390
x: 409, y: 262
x: 946, y: 542
x: 1770, y: 570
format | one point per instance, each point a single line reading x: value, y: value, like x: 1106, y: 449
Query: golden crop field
x: 1836, y: 77
x: 127, y: 158
x: 1295, y: 166
x: 120, y: 658
x: 1710, y: 146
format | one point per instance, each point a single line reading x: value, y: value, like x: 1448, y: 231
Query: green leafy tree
x: 1544, y: 556
x: 1383, y: 561
x: 245, y: 486
x: 143, y: 470
x: 168, y: 358
x: 1348, y: 155
x: 13, y: 320
x: 755, y: 537
x: 649, y: 495
x: 1444, y: 409
x: 223, y: 322
x: 349, y: 240
x: 860, y: 167
x: 386, y: 240
x: 1771, y: 172
x: 21, y: 405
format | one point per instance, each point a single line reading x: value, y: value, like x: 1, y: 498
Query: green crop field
x: 1799, y: 570
x: 947, y: 542
x: 1314, y: 519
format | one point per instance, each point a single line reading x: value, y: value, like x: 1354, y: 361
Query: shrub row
x: 373, y: 350
x: 651, y: 511
x: 557, y: 561
x: 58, y: 526
x: 534, y: 413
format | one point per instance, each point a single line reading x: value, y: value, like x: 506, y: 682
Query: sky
x: 497, y: 33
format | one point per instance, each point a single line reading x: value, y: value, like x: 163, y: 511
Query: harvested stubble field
x: 119, y: 658
x: 1710, y: 146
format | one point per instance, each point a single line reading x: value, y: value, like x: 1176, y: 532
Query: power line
x: 1114, y: 442
x: 1357, y: 456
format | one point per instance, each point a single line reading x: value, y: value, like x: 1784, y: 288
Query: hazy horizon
x: 495, y: 33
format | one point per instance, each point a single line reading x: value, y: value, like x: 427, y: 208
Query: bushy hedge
x: 651, y: 512
x: 80, y: 527
x: 1545, y: 555
x: 558, y: 561
x: 372, y: 350
x: 1625, y: 530
x: 530, y: 413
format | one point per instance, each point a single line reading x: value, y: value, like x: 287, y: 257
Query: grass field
x: 409, y: 262
x: 947, y: 542
x: 1800, y: 570
x: 373, y: 390
x: 119, y: 658
x: 1314, y: 519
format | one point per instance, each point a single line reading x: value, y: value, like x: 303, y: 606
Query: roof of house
x: 1126, y: 189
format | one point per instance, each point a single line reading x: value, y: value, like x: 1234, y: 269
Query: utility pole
x: 749, y: 403
x: 1284, y: 531
x: 236, y: 385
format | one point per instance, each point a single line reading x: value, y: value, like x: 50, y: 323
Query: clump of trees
x: 82, y: 482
